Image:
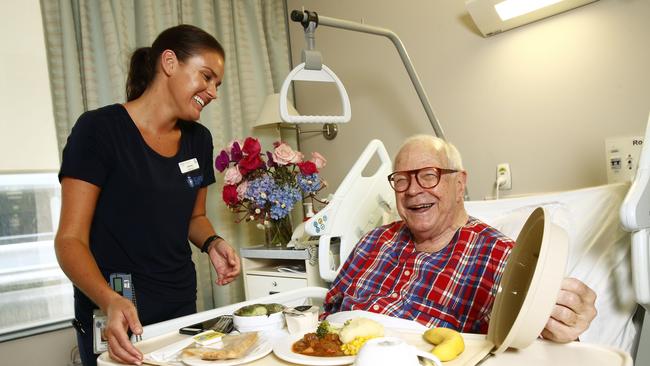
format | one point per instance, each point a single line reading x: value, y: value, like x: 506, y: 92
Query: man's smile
x: 421, y: 207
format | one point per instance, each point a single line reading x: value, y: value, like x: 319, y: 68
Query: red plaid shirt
x: 452, y: 288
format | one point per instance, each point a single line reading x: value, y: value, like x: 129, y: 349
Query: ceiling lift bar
x: 312, y: 69
x: 306, y: 17
x: 635, y: 217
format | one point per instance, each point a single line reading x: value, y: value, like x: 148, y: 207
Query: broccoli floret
x: 321, y: 331
x: 325, y: 327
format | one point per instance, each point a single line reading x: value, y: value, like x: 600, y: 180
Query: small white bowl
x: 391, y: 351
x: 259, y: 323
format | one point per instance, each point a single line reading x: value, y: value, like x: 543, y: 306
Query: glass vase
x: 278, y: 233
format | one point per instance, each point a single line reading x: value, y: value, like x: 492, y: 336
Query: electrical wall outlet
x: 503, y: 171
x: 622, y: 157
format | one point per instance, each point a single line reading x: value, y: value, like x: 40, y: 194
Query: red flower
x: 251, y: 146
x: 307, y: 168
x: 250, y: 163
x: 229, y: 195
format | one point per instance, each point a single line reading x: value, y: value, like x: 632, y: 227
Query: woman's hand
x: 225, y: 261
x: 573, y: 312
x: 122, y: 316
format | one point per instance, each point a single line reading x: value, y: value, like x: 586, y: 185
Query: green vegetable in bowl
x: 259, y: 309
x: 274, y: 308
x: 252, y: 310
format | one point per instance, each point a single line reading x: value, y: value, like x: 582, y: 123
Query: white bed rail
x: 359, y: 204
x: 635, y: 217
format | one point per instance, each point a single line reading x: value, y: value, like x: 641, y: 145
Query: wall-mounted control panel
x: 622, y: 157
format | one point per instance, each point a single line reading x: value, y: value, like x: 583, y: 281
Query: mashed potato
x: 360, y: 327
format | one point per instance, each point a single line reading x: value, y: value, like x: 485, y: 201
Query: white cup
x: 301, y: 321
x: 391, y: 351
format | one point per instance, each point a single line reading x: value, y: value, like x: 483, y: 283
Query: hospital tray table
x: 539, y: 353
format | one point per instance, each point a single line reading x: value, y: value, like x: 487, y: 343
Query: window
x: 35, y: 295
x: 34, y: 292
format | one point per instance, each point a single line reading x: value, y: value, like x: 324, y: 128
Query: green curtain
x: 89, y: 43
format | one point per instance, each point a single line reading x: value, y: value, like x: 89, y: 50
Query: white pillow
x: 599, y: 250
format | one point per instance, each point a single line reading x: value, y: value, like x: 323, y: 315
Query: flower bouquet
x: 265, y: 187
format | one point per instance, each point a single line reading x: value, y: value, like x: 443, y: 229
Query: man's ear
x: 168, y: 62
x: 461, y: 183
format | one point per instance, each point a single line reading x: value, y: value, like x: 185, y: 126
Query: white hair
x: 454, y: 161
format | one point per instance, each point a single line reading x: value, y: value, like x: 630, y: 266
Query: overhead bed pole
x: 305, y: 17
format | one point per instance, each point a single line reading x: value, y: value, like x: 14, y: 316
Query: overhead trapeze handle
x: 323, y: 75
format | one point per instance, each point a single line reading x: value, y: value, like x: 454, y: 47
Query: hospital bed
x: 599, y: 255
x: 599, y: 249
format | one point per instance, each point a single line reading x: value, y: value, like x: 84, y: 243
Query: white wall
x: 27, y: 138
x: 542, y: 97
x: 47, y: 349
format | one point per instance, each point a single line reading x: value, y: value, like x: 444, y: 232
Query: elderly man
x: 439, y: 266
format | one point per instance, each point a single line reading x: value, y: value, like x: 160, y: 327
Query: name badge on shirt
x: 188, y: 165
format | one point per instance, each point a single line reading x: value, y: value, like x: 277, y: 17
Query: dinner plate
x: 282, y: 349
x: 260, y: 349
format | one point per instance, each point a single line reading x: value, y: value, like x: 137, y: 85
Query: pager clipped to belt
x: 123, y: 285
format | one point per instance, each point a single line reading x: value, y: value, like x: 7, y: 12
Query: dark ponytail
x: 141, y: 72
x: 185, y: 40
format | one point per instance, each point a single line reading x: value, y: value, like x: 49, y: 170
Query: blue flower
x: 259, y: 190
x: 282, y: 200
x: 309, y: 183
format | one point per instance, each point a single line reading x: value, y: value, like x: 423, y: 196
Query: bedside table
x: 268, y: 271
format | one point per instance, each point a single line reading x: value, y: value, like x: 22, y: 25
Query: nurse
x: 134, y: 179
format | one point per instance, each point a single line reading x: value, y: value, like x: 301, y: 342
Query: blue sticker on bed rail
x: 319, y: 224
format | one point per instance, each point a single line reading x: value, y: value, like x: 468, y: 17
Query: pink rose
x: 229, y: 195
x: 232, y: 176
x: 284, y: 154
x: 318, y: 160
x: 241, y: 190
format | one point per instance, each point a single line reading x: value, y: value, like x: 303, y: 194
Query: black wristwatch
x: 208, y: 243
